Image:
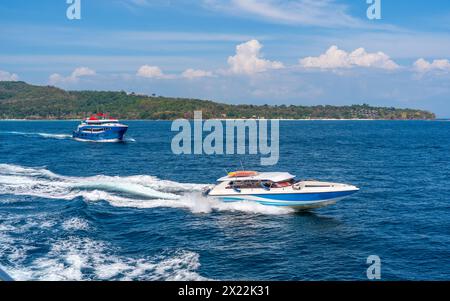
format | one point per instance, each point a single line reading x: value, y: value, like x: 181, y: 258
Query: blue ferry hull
x: 112, y: 134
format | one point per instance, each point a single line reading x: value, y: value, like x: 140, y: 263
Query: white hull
x: 302, y: 195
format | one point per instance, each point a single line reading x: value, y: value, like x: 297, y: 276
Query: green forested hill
x: 19, y: 100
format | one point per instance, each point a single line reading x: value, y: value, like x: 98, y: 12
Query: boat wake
x: 41, y: 135
x: 74, y: 256
x: 53, y: 136
x: 82, y: 258
x: 140, y: 191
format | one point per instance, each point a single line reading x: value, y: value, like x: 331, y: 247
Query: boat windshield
x: 249, y: 184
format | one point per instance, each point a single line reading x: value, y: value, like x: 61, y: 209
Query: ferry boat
x: 100, y: 128
x: 278, y: 189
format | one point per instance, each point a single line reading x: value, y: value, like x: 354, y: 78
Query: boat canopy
x: 263, y: 176
x: 100, y: 118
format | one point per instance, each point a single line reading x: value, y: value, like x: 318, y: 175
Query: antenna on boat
x: 242, y: 165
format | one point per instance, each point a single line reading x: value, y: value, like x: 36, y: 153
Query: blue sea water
x: 133, y: 211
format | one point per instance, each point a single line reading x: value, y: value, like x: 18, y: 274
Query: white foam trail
x: 130, y: 188
x: 68, y: 259
x: 55, y: 136
x: 75, y: 223
x: 81, y: 258
x: 197, y: 203
x: 141, y: 191
x: 19, y: 170
x: 44, y: 135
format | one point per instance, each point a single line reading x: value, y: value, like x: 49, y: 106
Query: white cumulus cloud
x: 248, y: 59
x: 422, y: 65
x: 73, y: 77
x: 335, y: 58
x: 195, y: 73
x: 148, y: 71
x: 82, y: 71
x: 6, y: 76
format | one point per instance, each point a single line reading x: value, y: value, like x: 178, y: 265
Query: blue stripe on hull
x: 305, y: 197
x: 291, y: 200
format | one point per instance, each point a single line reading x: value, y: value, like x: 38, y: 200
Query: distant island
x: 19, y: 100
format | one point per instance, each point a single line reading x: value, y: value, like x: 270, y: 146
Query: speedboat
x: 100, y: 128
x: 278, y: 189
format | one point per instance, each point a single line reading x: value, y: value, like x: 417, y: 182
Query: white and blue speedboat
x: 278, y: 189
x: 100, y: 128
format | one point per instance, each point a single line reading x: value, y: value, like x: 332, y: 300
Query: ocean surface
x: 133, y: 211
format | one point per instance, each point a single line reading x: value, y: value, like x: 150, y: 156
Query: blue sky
x: 236, y: 51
